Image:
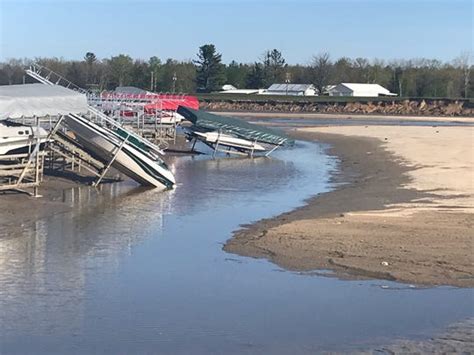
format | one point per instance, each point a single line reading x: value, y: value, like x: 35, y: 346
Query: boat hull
x: 215, y: 138
x: 129, y: 160
x: 18, y: 139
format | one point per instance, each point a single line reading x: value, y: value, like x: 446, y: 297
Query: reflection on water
x: 130, y: 270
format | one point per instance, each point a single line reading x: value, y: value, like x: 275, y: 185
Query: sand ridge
x: 405, y: 213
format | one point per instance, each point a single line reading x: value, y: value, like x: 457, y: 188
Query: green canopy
x: 235, y: 126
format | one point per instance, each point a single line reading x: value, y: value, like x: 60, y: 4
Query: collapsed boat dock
x: 126, y: 130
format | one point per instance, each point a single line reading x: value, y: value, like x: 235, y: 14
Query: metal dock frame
x: 48, y: 77
x: 26, y: 170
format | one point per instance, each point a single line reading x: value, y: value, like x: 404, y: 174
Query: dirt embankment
x: 405, y: 213
x: 395, y: 107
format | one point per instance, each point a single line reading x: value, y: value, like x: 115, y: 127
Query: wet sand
x: 51, y: 200
x: 404, y: 213
x: 458, y: 338
x: 15, y: 204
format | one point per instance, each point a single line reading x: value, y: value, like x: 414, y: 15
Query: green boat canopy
x: 240, y: 128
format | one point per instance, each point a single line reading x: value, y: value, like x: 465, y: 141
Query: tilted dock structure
x: 35, y: 105
x: 107, y: 140
x: 151, y: 115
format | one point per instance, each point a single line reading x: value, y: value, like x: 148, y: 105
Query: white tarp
x: 29, y: 100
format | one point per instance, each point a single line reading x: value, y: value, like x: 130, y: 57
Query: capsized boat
x: 99, y: 134
x: 16, y: 138
x: 214, y: 138
x: 125, y: 152
x: 215, y: 130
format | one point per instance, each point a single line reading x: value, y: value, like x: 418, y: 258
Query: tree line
x: 207, y: 73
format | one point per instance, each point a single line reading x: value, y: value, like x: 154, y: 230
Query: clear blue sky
x: 240, y: 29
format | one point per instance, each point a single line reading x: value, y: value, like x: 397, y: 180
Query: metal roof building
x: 228, y: 87
x: 357, y: 89
x: 291, y: 89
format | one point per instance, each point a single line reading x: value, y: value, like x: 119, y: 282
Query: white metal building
x: 228, y: 87
x: 242, y: 91
x: 291, y: 89
x: 357, y: 89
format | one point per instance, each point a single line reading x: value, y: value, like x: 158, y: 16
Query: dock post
x: 110, y: 163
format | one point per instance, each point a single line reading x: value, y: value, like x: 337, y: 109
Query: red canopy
x: 155, y: 102
x: 171, y: 103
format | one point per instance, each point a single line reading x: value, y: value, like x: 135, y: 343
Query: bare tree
x: 361, y: 66
x: 463, y: 62
x: 321, y: 67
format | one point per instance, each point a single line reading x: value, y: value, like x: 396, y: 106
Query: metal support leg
x: 55, y: 128
x: 275, y: 148
x: 110, y: 163
x: 253, y: 149
x: 37, y: 167
x: 194, y: 144
x: 217, y: 145
x: 30, y: 160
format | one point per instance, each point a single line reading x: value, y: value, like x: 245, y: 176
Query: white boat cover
x: 29, y: 100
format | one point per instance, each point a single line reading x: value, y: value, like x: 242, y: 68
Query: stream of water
x: 136, y: 271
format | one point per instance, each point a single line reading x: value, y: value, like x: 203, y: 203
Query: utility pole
x: 174, y: 82
x: 151, y: 82
x: 287, y: 81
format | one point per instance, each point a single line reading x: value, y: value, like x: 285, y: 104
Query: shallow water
x: 136, y: 271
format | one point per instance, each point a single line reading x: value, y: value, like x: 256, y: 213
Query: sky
x: 240, y: 29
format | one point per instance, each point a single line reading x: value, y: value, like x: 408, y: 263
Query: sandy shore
x: 349, y: 116
x: 405, y: 214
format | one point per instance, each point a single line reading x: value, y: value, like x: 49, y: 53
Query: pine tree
x: 274, y: 67
x: 209, y: 71
x: 256, y: 78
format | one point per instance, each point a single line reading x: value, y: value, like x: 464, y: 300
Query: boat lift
x: 22, y: 171
x: 65, y: 150
x: 95, y: 116
x: 236, y: 135
x: 151, y: 115
x: 149, y: 125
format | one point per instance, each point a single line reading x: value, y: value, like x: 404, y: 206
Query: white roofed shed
x: 39, y: 100
x: 291, y: 89
x: 358, y: 89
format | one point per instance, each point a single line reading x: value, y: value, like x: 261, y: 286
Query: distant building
x: 242, y: 91
x: 327, y: 89
x: 228, y: 87
x: 356, y: 89
x: 231, y: 89
x: 131, y: 90
x: 291, y: 89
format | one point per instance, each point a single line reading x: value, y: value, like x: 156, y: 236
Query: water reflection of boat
x: 65, y: 251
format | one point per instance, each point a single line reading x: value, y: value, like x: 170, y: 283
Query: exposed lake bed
x: 120, y: 269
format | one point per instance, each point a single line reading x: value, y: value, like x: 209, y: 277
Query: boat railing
x: 47, y: 76
x: 103, y: 120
